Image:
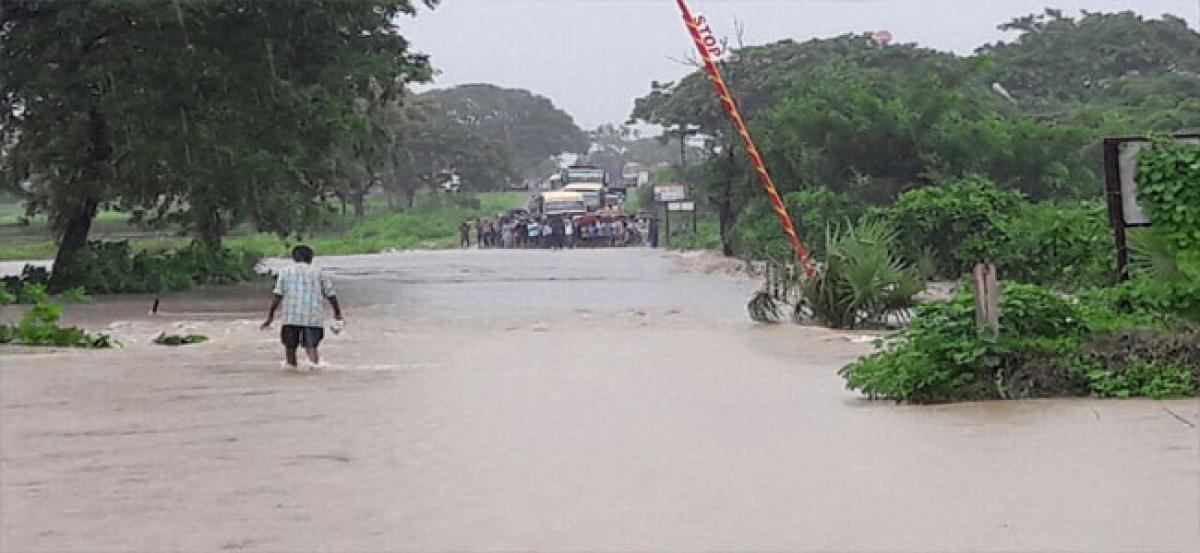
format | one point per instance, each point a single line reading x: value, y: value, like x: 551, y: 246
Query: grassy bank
x: 706, y: 237
x: 431, y: 224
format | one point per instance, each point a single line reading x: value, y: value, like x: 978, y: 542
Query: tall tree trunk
x: 78, y: 224
x: 211, y: 228
x: 360, y: 205
x: 683, y: 176
x: 725, y: 207
x: 360, y: 199
x: 79, y: 213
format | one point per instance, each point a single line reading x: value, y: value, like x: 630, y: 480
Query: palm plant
x: 1158, y: 264
x: 862, y: 283
x: 1154, y: 257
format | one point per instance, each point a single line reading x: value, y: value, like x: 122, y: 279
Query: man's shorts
x: 307, y: 336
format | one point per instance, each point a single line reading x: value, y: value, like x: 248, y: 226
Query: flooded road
x: 583, y: 400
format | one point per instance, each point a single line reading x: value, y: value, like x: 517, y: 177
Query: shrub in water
x: 862, y: 281
x: 1155, y: 363
x: 116, y: 267
x: 39, y: 325
x: 942, y: 356
x: 174, y: 340
x: 1144, y: 378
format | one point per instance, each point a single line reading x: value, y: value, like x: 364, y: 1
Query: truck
x: 590, y: 181
x: 561, y: 202
x: 584, y: 174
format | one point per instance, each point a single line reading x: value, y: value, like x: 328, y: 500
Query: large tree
x: 435, y: 147
x: 850, y: 115
x: 531, y: 126
x: 205, y: 113
x: 1058, y: 59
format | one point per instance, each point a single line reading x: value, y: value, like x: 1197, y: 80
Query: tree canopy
x: 203, y: 114
x: 868, y: 120
x: 531, y: 127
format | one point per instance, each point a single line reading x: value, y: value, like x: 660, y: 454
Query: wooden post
x: 667, y: 223
x: 987, y: 299
x: 1116, y: 217
x: 767, y: 280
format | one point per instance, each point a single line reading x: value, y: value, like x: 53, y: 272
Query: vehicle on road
x: 588, y: 180
x: 576, y: 174
x: 592, y: 193
x: 561, y: 202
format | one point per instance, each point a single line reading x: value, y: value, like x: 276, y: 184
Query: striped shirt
x: 303, y: 287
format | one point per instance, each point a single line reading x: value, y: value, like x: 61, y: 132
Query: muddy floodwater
x: 580, y: 400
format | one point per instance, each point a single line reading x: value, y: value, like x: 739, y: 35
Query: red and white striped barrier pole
x: 709, y: 48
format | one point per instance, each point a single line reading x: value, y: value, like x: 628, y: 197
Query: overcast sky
x: 593, y: 57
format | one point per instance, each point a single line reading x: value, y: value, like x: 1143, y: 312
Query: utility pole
x: 683, y: 155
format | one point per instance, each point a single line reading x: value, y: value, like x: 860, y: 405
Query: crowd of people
x: 557, y: 232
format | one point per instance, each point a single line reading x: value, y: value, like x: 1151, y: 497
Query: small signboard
x: 681, y: 206
x: 1131, y: 210
x: 670, y: 192
x: 1120, y: 171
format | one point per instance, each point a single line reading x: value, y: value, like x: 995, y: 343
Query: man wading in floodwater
x: 300, y: 289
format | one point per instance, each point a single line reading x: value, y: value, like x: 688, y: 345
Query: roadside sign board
x: 670, y: 192
x: 681, y: 206
x: 1121, y: 187
x: 1131, y: 210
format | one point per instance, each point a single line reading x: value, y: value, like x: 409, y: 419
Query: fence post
x: 987, y: 299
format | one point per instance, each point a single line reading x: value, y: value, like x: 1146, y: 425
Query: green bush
x: 1049, y: 346
x: 862, y: 282
x: 817, y: 209
x: 39, y: 326
x: 971, y: 221
x: 77, y: 294
x: 942, y: 356
x: 1144, y: 378
x: 1142, y: 303
x: 117, y: 267
x: 176, y: 340
x: 706, y: 237
x: 1169, y: 189
x: 30, y: 274
x: 951, y: 220
x: 757, y: 233
x: 1067, y: 246
x: 1155, y: 363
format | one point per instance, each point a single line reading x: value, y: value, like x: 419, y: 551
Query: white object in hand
x: 337, y: 326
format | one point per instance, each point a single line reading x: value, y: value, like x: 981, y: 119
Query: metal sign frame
x: 1119, y: 204
x: 679, y: 192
